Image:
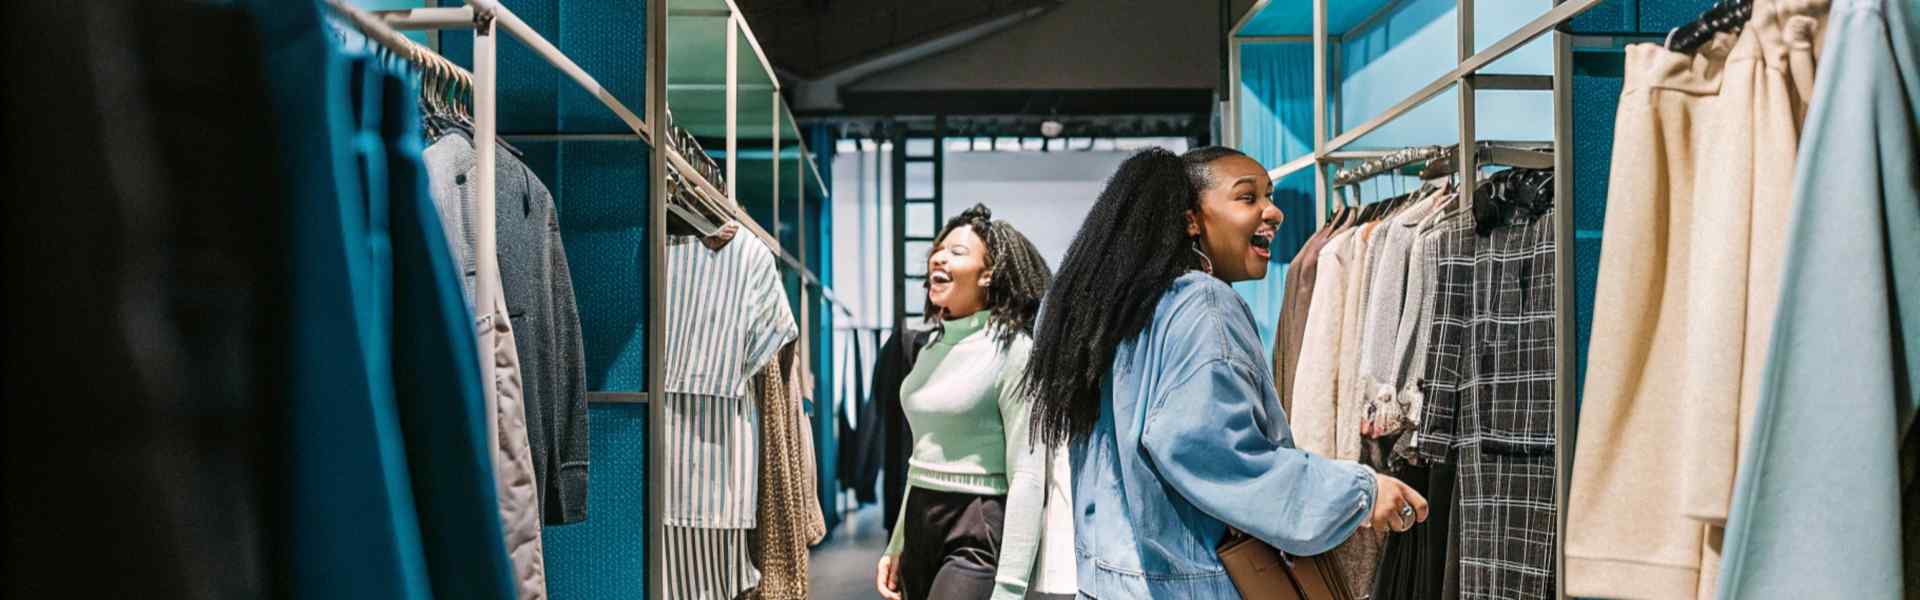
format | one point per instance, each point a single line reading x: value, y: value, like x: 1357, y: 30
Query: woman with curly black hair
x: 970, y: 527
x: 1148, y: 365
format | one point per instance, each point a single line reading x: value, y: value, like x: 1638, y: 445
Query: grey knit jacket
x: 546, y: 322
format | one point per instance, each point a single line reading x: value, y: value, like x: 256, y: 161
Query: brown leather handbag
x: 1262, y: 572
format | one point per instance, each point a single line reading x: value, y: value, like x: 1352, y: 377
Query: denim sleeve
x: 1205, y: 439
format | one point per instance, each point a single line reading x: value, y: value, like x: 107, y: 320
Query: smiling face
x: 957, y: 273
x: 1237, y: 219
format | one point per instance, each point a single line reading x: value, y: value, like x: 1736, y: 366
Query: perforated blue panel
x: 609, y: 40
x: 605, y: 556
x: 1596, y: 98
x: 1641, y: 16
x: 528, y: 85
x: 602, y: 192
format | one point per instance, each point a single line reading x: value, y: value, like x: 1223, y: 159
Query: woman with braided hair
x: 1147, y: 366
x: 971, y: 525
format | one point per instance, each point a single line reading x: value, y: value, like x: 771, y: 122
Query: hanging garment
x: 1315, y: 383
x: 890, y: 368
x: 149, y: 240
x: 353, y: 529
x: 1745, y: 183
x: 788, y: 506
x: 1626, y: 537
x: 1379, y: 364
x: 1505, y: 419
x: 792, y: 371
x: 473, y: 546
x: 1414, y: 565
x: 1449, y: 254
x: 1647, y: 523
x: 871, y: 445
x: 538, y: 288
x: 1348, y: 402
x: 515, y: 468
x: 1302, y: 273
x: 707, y: 564
x: 726, y: 318
x: 1841, y: 377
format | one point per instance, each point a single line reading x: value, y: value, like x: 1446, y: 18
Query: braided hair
x: 1131, y: 248
x: 1020, y: 273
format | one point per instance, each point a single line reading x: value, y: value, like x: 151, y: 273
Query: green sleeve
x: 1026, y: 498
x: 899, y: 526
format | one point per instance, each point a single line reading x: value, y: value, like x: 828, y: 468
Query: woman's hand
x: 888, y: 580
x: 1391, y: 502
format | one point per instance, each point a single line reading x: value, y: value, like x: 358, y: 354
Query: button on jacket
x: 1192, y: 440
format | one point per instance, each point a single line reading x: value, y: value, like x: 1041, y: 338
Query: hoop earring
x: 1206, y: 264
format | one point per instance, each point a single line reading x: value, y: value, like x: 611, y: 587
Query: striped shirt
x: 727, y: 314
x: 727, y: 317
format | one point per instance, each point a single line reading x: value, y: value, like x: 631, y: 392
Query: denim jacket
x: 1192, y: 440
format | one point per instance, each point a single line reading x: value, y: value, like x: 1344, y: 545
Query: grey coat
x: 546, y: 323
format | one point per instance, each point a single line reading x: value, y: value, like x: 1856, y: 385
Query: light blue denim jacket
x: 1192, y: 440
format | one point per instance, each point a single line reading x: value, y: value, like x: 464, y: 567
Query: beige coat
x: 1703, y: 156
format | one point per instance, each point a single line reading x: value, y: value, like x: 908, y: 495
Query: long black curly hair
x: 1131, y: 248
x: 1020, y: 273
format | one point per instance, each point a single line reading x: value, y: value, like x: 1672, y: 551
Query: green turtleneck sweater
x: 970, y: 436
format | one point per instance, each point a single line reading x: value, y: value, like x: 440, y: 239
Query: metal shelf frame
x: 1465, y: 76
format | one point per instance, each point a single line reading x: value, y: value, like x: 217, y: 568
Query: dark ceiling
x: 810, y: 38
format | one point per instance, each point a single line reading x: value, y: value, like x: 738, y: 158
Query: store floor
x: 843, y: 567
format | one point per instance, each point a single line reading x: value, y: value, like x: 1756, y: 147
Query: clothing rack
x: 1515, y: 154
x: 1466, y: 77
x: 486, y: 18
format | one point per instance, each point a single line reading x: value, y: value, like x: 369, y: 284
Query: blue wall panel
x: 606, y: 556
x: 602, y: 192
x: 528, y: 85
x: 609, y: 40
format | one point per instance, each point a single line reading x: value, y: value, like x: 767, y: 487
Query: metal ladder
x: 918, y: 149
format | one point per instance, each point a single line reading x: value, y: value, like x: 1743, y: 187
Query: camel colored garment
x: 1745, y: 187
x: 786, y: 507
x: 1312, y: 417
x: 1697, y: 137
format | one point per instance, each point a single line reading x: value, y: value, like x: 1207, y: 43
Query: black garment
x: 889, y: 371
x: 870, y: 440
x: 145, y: 374
x: 952, y: 545
x: 1414, y: 564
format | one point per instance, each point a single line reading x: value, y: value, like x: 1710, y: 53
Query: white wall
x: 1045, y: 195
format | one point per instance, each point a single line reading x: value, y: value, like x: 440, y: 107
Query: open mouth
x: 1262, y: 241
x: 939, y: 277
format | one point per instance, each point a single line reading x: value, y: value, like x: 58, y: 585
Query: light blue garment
x: 1817, y: 508
x: 1192, y: 439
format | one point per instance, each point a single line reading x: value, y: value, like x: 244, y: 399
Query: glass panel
x: 920, y: 180
x: 920, y: 220
x: 917, y: 254
x: 916, y: 297
x: 920, y: 147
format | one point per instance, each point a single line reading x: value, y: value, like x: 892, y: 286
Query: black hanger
x: 1726, y: 16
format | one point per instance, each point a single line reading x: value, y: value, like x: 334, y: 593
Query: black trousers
x: 952, y: 545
